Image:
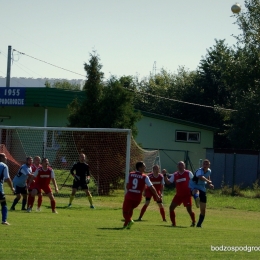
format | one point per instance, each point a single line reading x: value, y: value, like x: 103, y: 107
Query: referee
x: 80, y: 172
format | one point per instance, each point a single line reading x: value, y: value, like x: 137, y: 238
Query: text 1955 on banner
x: 12, y: 96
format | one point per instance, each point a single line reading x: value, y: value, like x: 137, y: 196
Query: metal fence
x: 233, y: 167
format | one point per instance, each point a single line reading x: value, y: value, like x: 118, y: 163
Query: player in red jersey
x: 44, y: 175
x: 181, y: 179
x: 36, y: 164
x: 135, y: 187
x: 157, y: 180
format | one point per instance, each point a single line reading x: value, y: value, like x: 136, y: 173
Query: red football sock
x: 30, y: 201
x: 39, y: 201
x: 162, y: 213
x: 131, y: 212
x: 53, y: 204
x: 192, y: 216
x: 172, y: 216
x: 143, y: 210
x: 126, y: 217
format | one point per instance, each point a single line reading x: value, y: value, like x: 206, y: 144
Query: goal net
x: 110, y: 153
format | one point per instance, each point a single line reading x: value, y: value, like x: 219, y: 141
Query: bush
x: 256, y: 188
x: 235, y: 191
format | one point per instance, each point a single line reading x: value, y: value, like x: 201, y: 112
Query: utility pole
x: 154, y: 68
x: 8, y: 74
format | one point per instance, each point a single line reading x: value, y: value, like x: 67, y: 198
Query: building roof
x: 18, y: 82
x: 51, y: 97
x: 179, y: 121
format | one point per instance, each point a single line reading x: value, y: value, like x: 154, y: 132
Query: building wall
x: 33, y: 116
x: 159, y: 134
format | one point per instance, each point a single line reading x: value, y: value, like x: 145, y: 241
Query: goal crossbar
x: 76, y: 129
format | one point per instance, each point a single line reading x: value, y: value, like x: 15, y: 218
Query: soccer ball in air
x: 236, y: 8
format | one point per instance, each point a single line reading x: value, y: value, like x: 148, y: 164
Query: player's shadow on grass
x: 57, y: 207
x: 115, y: 228
x: 169, y: 226
x: 135, y: 220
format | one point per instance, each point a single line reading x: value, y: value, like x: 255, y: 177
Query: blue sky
x: 128, y: 35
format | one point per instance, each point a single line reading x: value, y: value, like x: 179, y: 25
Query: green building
x: 176, y: 139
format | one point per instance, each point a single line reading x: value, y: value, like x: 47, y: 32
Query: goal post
x: 111, y: 153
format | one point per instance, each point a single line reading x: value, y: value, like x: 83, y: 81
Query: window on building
x: 184, y: 136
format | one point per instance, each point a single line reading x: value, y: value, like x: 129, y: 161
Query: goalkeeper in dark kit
x: 80, y: 172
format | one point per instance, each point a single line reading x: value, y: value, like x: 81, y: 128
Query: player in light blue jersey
x: 20, y: 183
x: 4, y: 176
x: 198, y: 187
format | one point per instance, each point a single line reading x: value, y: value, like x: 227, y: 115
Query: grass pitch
x: 83, y: 233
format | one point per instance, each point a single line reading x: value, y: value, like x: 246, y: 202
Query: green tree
x: 158, y: 91
x: 117, y: 108
x: 64, y: 84
x: 106, y: 104
x: 244, y: 130
x: 248, y: 22
x: 154, y: 86
x: 216, y: 71
x: 87, y: 112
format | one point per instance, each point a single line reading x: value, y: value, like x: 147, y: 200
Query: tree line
x: 223, y: 92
